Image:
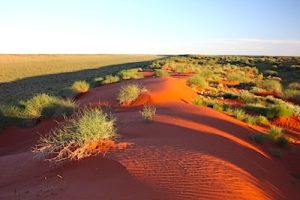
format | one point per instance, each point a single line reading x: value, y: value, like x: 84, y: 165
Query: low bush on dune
x: 129, y: 93
x: 47, y: 106
x: 275, y: 132
x: 130, y: 74
x: 270, y: 73
x: 110, y: 79
x: 272, y: 86
x: 80, y: 87
x: 197, y: 81
x: 161, y: 73
x: 10, y: 114
x: 291, y: 93
x: 279, y: 110
x: 71, y: 140
x: 262, y: 120
x: 239, y: 114
x: 148, y: 112
x: 294, y: 86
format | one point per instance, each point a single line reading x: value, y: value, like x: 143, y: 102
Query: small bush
x: 230, y: 96
x: 262, y: 120
x: 198, y: 101
x: 275, y: 132
x: 291, y: 93
x: 249, y: 119
x: 110, y: 79
x: 148, y: 112
x: 129, y: 93
x: 272, y: 86
x: 47, y: 106
x: 218, y: 107
x: 294, y: 86
x: 247, y: 97
x: 280, y: 110
x: 197, y: 81
x: 161, y: 72
x: 239, y: 114
x: 130, y: 74
x: 70, y: 140
x: 80, y: 86
x: 270, y: 73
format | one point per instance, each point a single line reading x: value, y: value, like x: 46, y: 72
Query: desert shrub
x: 249, y: 119
x: 279, y: 110
x: 272, y: 86
x: 47, y: 106
x: 282, y: 141
x: 291, y: 93
x: 262, y: 120
x: 294, y: 86
x: 148, y: 112
x: 10, y: 114
x: 218, y: 107
x: 129, y: 93
x: 161, y: 72
x: 198, y: 101
x: 110, y: 79
x: 259, y: 138
x: 247, y: 97
x: 238, y: 76
x: 270, y: 73
x: 80, y: 86
x: 228, y: 95
x: 71, y: 139
x: 130, y: 74
x: 198, y: 81
x: 239, y: 114
x: 274, y: 132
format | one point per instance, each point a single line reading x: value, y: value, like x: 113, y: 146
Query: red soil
x: 188, y: 152
x: 268, y: 93
x: 288, y: 122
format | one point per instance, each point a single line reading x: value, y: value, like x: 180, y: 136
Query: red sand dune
x: 188, y: 152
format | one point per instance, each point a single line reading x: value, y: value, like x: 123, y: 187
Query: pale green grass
x: 22, y: 76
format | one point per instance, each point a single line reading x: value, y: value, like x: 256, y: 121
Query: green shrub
x: 239, y: 114
x: 130, y: 74
x: 80, y: 86
x: 47, y: 106
x: 148, y: 112
x: 270, y: 73
x: 272, y: 86
x: 198, y: 101
x: 110, y: 79
x: 247, y: 97
x: 161, y: 72
x: 275, y: 132
x: 70, y: 140
x: 129, y: 93
x: 228, y: 95
x: 294, y: 86
x: 198, y: 81
x: 10, y: 114
x: 291, y: 93
x: 280, y: 110
x: 218, y: 107
x: 249, y: 119
x: 262, y: 120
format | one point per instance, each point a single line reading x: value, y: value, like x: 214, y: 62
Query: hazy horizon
x: 217, y: 27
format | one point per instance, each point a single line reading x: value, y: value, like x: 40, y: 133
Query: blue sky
x: 253, y: 27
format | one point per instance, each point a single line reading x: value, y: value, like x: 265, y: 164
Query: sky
x: 226, y: 27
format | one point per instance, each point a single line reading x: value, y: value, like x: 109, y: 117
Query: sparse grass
x: 110, y: 79
x: 161, y: 72
x: 197, y: 81
x: 129, y: 93
x: 22, y: 76
x: 239, y: 114
x: 294, y: 86
x: 148, y: 112
x: 272, y: 86
x: 71, y: 139
x: 275, y: 132
x: 279, y: 110
x: 270, y: 73
x: 80, y: 87
x: 249, y: 119
x: 130, y: 74
x: 262, y: 120
x: 291, y: 93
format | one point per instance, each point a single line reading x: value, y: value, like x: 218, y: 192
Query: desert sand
x: 187, y: 152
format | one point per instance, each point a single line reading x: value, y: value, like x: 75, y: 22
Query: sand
x: 187, y: 152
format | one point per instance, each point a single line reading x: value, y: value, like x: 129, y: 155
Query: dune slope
x: 188, y: 152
